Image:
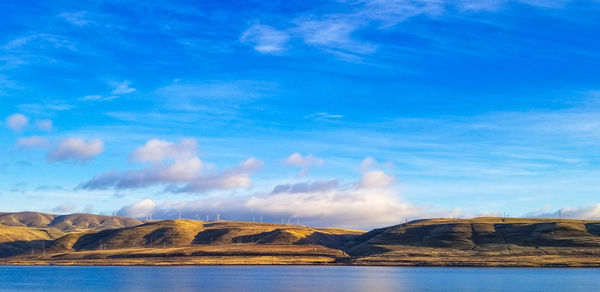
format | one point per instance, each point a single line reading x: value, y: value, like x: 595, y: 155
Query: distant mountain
x: 66, y: 223
x: 27, y: 231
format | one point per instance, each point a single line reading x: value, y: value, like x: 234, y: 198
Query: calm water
x: 295, y: 278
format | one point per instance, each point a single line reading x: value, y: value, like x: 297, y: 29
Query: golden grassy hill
x: 190, y: 241
x: 482, y: 241
x: 181, y: 233
x: 442, y: 242
x: 17, y: 240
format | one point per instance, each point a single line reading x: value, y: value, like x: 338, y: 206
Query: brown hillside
x: 481, y: 241
x: 180, y: 233
x: 17, y: 239
x: 67, y: 223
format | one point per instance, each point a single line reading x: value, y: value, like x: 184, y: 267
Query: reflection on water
x: 295, y: 278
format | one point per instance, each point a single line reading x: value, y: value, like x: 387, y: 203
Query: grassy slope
x: 481, y: 242
x: 445, y: 242
x: 195, y: 242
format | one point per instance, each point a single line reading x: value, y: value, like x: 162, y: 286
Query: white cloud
x: 237, y: 177
x: 31, y: 142
x: 367, y: 164
x: 305, y: 162
x: 97, y: 97
x: 44, y: 125
x: 17, y: 122
x: 265, y: 39
x: 297, y: 160
x: 141, y: 209
x: 317, y: 203
x: 92, y: 97
x: 176, y: 166
x: 213, y: 91
x: 324, y: 116
x: 76, y: 149
x: 375, y: 179
x: 334, y: 34
x: 41, y: 109
x: 158, y: 150
x: 391, y: 12
x: 179, y: 171
x: 327, y: 203
x: 179, y: 176
x: 123, y: 87
x: 39, y: 41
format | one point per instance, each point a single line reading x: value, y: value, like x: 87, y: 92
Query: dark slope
x: 479, y: 232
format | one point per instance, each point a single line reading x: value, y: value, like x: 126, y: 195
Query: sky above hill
x: 347, y: 113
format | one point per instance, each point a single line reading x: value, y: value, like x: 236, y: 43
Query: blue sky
x: 347, y: 113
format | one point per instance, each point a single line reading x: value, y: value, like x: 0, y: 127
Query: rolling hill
x: 36, y: 238
x: 481, y: 241
x: 66, y: 223
x: 170, y: 239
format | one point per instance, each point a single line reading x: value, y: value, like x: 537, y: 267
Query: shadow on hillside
x: 209, y: 236
x: 8, y: 249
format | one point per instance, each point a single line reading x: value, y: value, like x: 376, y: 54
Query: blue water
x: 295, y: 278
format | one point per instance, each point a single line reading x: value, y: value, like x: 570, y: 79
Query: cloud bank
x: 590, y: 212
x: 371, y: 201
x: 176, y: 166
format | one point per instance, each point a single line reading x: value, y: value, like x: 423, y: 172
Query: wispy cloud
x: 265, y: 39
x: 121, y: 87
x: 333, y: 34
x: 39, y: 41
x: 78, y: 18
x: 336, y: 31
x: 97, y: 97
x: 37, y: 48
x: 323, y: 116
x: 31, y: 142
x: 46, y: 107
x: 218, y: 99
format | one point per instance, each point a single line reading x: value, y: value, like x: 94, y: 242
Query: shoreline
x: 242, y: 262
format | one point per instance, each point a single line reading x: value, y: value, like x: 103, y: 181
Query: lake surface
x: 295, y: 278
